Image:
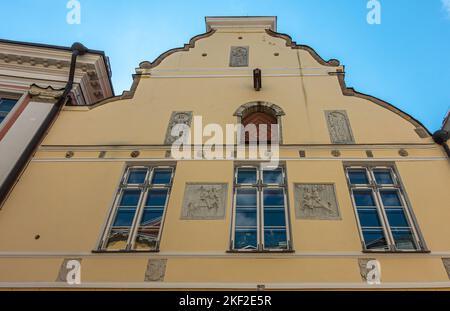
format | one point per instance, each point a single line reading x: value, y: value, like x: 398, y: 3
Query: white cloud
x: 446, y: 6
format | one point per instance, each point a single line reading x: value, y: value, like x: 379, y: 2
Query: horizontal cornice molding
x: 363, y: 147
x: 227, y: 22
x: 222, y: 254
x: 224, y: 285
x: 44, y: 66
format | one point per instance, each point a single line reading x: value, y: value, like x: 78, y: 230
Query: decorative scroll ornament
x: 48, y: 94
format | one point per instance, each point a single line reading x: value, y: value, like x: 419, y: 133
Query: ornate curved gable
x: 224, y: 33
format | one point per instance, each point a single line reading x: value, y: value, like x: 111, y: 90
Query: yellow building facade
x: 358, y: 181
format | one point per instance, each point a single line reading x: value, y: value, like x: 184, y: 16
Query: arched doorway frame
x: 261, y: 106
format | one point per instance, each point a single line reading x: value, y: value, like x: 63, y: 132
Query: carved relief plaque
x: 156, y: 270
x: 204, y: 201
x: 177, y: 117
x: 362, y: 262
x: 446, y: 262
x: 63, y: 270
x: 339, y: 127
x: 316, y: 201
x: 239, y: 56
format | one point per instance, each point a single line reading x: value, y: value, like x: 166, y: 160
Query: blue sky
x: 405, y: 60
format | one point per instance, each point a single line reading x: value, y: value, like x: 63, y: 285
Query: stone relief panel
x: 177, y: 117
x: 63, y: 270
x: 446, y: 262
x: 239, y: 56
x: 156, y: 270
x: 204, y: 201
x: 362, y: 262
x: 316, y: 201
x: 339, y: 127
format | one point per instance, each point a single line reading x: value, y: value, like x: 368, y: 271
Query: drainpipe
x: 78, y: 49
x: 441, y: 137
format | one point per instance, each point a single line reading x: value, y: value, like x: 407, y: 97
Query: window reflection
x: 260, y: 210
x: 140, y: 209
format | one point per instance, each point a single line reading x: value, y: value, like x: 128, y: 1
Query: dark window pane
x: 397, y: 217
x: 246, y: 197
x: 246, y: 176
x: 275, y: 239
x: 130, y: 198
x: 358, y: 177
x: 369, y: 218
x: 162, y: 177
x: 157, y: 197
x: 124, y: 217
x: 1, y: 119
x: 363, y: 198
x: 274, y: 217
x: 245, y: 239
x: 273, y: 176
x: 245, y: 218
x: 404, y: 239
x: 6, y: 105
x: 374, y: 239
x: 383, y: 177
x: 136, y: 176
x: 273, y: 197
x: 152, y: 217
x: 390, y: 198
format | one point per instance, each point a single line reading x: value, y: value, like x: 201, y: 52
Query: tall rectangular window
x: 6, y: 105
x: 260, y: 218
x: 384, y: 217
x: 139, y: 208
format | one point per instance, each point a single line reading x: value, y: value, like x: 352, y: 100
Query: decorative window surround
x: 260, y: 106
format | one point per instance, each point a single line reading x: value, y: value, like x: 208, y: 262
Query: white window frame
x: 144, y: 188
x: 260, y: 187
x: 375, y: 188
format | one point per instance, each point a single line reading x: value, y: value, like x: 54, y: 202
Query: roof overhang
x: 223, y: 22
x: 25, y: 65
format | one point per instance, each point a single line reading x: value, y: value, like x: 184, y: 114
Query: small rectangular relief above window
x: 239, y: 56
